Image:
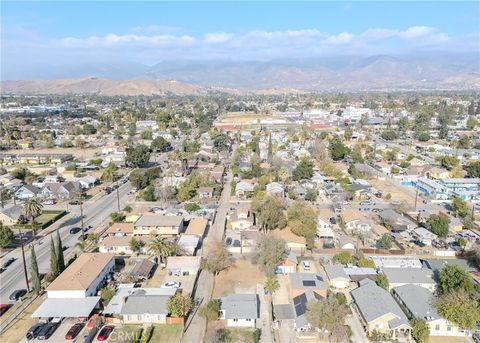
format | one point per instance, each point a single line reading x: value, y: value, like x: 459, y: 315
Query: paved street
x: 196, y: 329
x: 94, y: 214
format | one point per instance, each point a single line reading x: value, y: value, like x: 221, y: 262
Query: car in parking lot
x: 105, y: 332
x: 74, y: 202
x: 306, y: 265
x: 74, y: 331
x: 171, y: 284
x: 32, y: 333
x: 47, y: 331
x: 17, y: 294
x: 50, y: 202
x: 8, y: 262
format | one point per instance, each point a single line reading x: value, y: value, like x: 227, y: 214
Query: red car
x: 3, y: 309
x: 105, y: 332
x: 74, y: 331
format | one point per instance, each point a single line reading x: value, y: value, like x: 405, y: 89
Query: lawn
x: 48, y: 216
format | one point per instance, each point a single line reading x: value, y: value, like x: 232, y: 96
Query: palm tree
x: 31, y: 209
x: 108, y: 174
x: 271, y: 285
x: 161, y: 247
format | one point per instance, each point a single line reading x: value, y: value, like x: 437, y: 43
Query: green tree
x: 161, y: 247
x: 179, y: 305
x: 148, y: 194
x: 137, y: 156
x: 302, y: 221
x: 382, y: 281
x: 32, y: 208
x: 386, y: 241
x: 53, y: 259
x: 210, y: 311
x: 459, y: 308
x: 106, y: 294
x: 304, y: 170
x: 423, y: 136
x: 271, y: 250
x: 348, y: 133
x: 135, y: 245
x: 221, y: 142
x: 420, y: 330
x: 311, y: 195
x: 438, y: 224
x: 6, y: 236
x: 108, y: 174
x: 449, y: 162
x: 464, y: 142
x: 460, y: 207
x: 269, y: 213
x: 147, y: 135
x: 117, y: 217
x: 343, y: 257
x: 452, y: 278
x: 36, y: 284
x: 473, y: 169
x: 160, y: 144
x: 365, y: 263
x: 191, y: 206
x: 271, y: 285
x: 60, y: 257
x: 471, y: 123
x: 328, y: 314
x: 338, y: 150
x: 389, y: 135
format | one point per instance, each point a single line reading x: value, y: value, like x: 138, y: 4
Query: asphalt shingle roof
x: 240, y: 306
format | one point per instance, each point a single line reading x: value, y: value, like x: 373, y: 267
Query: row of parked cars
x: 44, y: 330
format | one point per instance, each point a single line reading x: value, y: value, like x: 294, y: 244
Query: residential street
x: 94, y: 214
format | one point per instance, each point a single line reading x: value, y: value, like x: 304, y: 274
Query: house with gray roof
x: 240, y: 309
x: 337, y: 278
x: 422, y: 277
x: 10, y: 216
x: 27, y: 192
x: 418, y: 303
x: 158, y: 224
x: 379, y: 311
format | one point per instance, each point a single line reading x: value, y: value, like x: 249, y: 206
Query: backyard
x: 228, y: 282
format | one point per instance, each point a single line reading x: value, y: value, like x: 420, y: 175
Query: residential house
x: 9, y: 216
x: 355, y: 221
x: 422, y: 277
x: 240, y: 242
x: 240, y: 310
x: 183, y: 265
x: 243, y: 189
x: 189, y: 243
x: 120, y: 229
x: 274, y: 189
x: 132, y: 305
x: 295, y: 243
x: 337, y: 278
x: 27, y: 192
x: 423, y: 235
x: 346, y: 242
x: 394, y: 221
x: 418, y: 303
x: 205, y: 192
x: 288, y: 264
x: 158, y: 224
x: 356, y: 273
x: 382, y: 262
x: 324, y: 226
x: 62, y: 191
x: 433, y: 189
x: 121, y: 245
x: 241, y: 219
x: 379, y: 311
x: 197, y: 226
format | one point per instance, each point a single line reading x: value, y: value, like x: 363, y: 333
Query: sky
x: 71, y: 33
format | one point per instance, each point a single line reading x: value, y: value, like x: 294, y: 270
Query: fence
x: 13, y: 315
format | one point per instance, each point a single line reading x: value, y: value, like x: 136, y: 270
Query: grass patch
x: 48, y: 217
x: 167, y: 333
x: 236, y: 335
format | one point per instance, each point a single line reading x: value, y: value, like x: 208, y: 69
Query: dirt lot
x: 398, y: 194
x: 228, y: 282
x: 87, y: 154
x: 443, y: 339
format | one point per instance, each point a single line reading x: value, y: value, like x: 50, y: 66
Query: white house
x: 423, y: 235
x: 337, y: 278
x: 241, y: 310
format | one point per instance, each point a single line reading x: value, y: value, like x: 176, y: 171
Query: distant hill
x: 343, y: 73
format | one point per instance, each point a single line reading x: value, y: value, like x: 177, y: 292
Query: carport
x: 66, y: 307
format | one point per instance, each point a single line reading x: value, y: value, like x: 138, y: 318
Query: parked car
x: 2, y: 270
x: 47, y: 331
x: 3, y: 308
x: 333, y: 220
x: 8, y: 262
x: 50, y: 202
x: 32, y: 333
x: 105, y: 332
x: 74, y: 331
x: 17, y: 294
x: 306, y: 265
x: 75, y: 230
x: 171, y: 284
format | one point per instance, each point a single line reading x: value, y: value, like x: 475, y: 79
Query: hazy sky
x: 35, y: 33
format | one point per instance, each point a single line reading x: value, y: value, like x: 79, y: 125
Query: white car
x: 306, y: 265
x: 171, y: 284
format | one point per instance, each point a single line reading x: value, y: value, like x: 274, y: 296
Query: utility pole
x: 23, y: 257
x: 118, y: 199
x: 416, y: 196
x: 81, y: 217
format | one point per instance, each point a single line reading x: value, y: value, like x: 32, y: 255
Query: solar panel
x: 308, y: 283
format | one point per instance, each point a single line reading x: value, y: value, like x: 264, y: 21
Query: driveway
x: 264, y: 323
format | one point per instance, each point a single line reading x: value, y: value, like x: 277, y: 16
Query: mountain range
x: 341, y: 73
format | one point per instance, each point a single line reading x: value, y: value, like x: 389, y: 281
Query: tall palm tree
x: 161, y: 247
x: 31, y: 209
x: 271, y: 285
x: 108, y: 174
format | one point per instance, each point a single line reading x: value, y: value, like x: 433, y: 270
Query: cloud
x: 218, y: 37
x: 416, y: 31
x: 112, y: 39
x: 341, y: 38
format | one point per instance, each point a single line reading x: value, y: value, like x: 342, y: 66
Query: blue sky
x: 148, y: 32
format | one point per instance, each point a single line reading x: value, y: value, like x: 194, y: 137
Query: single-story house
x: 120, y: 229
x: 9, y: 216
x: 422, y: 277
x: 205, y: 192
x: 121, y: 245
x: 423, y: 235
x: 27, y: 192
x: 288, y: 264
x: 189, y: 243
x: 240, y: 310
x: 337, y: 278
x: 183, y: 265
x: 241, y: 219
x: 197, y: 226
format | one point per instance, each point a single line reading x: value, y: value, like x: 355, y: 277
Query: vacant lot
x: 443, y: 339
x: 398, y: 194
x: 88, y: 153
x: 228, y: 282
